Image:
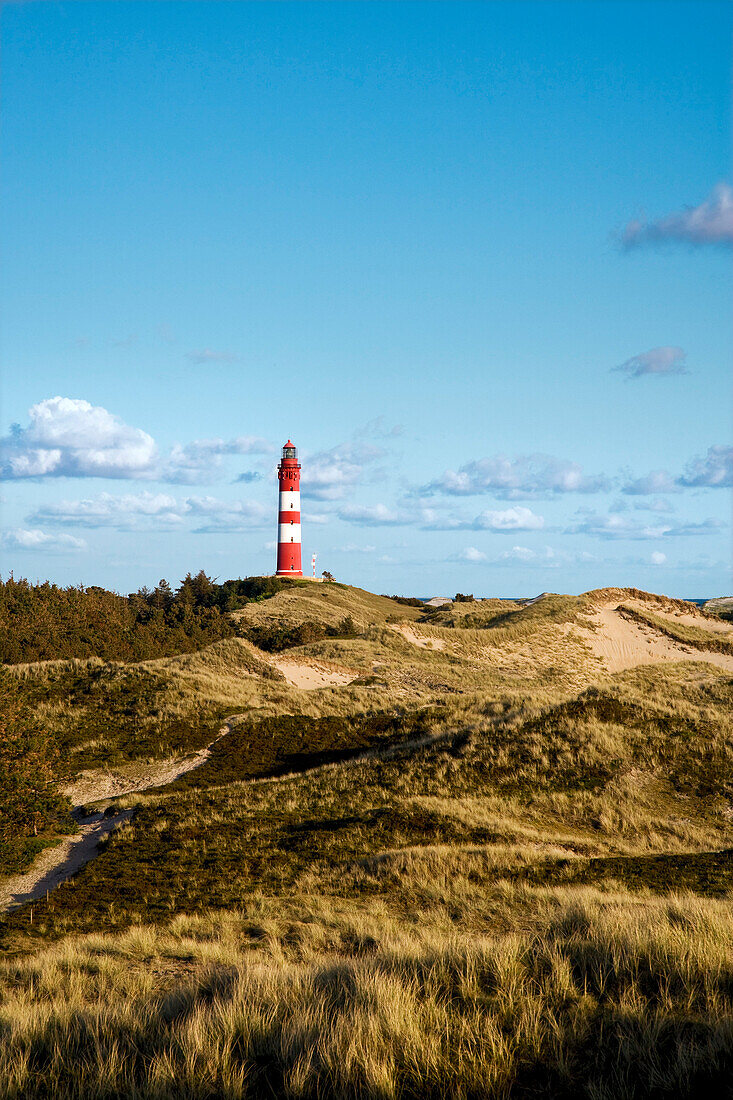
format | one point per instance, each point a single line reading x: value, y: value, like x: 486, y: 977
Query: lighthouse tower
x: 288, y: 521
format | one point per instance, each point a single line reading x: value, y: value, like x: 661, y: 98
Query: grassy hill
x: 481, y: 839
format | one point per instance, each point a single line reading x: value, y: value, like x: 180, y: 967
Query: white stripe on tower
x: 289, y: 532
x: 289, y: 500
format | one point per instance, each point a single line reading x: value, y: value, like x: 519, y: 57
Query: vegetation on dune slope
x: 694, y: 636
x: 32, y: 812
x: 485, y: 903
x: 639, y: 771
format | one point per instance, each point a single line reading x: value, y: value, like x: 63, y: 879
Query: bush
x: 275, y: 637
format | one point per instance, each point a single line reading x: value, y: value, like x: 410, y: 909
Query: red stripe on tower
x: 288, y: 518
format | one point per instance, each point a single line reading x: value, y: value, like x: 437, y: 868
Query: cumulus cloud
x: 713, y: 471
x: 106, y: 510
x: 148, y: 511
x: 517, y: 518
x: 24, y: 538
x: 658, y: 481
x: 200, y: 461
x: 709, y: 223
x: 518, y: 553
x: 664, y: 360
x: 333, y: 474
x: 472, y: 553
x: 619, y: 526
x: 373, y: 515
x: 68, y: 437
x: 207, y: 355
x: 527, y: 476
x: 226, y: 517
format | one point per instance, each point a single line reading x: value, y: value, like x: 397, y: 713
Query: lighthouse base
x: 289, y: 573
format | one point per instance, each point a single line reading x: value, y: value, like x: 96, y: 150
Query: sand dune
x: 622, y: 643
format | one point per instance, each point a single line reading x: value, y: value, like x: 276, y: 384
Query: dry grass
x: 488, y: 904
x: 695, y: 636
x: 320, y: 1001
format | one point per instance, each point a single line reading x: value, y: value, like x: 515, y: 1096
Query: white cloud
x: 709, y: 223
x: 658, y: 481
x: 518, y: 518
x: 658, y: 558
x: 67, y: 437
x: 472, y: 553
x: 332, y: 474
x: 527, y: 476
x: 621, y: 526
x: 518, y: 553
x: 156, y: 510
x: 107, y: 510
x: 373, y: 515
x: 714, y: 471
x: 200, y: 461
x: 23, y: 538
x: 663, y: 360
x: 227, y: 517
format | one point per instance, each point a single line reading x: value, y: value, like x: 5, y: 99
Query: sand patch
x: 310, y: 675
x: 621, y: 643
x: 416, y: 638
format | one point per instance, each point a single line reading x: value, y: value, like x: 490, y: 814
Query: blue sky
x: 473, y: 258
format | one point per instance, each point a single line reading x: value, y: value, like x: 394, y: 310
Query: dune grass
x: 640, y: 769
x: 321, y: 1000
x: 482, y: 870
x: 695, y: 636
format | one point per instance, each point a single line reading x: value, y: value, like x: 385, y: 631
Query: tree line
x: 40, y: 622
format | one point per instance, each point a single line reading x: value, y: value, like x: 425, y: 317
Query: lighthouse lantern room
x: 288, y: 524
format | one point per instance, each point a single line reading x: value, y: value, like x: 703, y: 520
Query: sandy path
x: 621, y: 643
x: 417, y: 639
x: 312, y: 674
x: 92, y: 786
x: 55, y: 865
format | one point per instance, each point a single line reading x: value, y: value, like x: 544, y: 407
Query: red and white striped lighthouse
x: 288, y: 520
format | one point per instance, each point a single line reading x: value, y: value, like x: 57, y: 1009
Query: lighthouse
x: 288, y: 520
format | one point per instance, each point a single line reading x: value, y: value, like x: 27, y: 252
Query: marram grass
x: 597, y: 995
